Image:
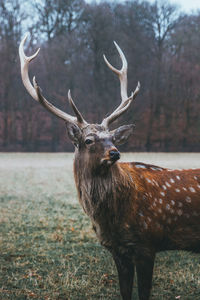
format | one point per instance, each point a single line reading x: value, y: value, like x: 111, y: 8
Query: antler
x: 34, y: 90
x: 126, y: 101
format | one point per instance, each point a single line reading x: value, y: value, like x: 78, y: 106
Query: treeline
x: 162, y: 47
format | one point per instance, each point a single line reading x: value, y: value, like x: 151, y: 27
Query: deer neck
x: 98, y: 189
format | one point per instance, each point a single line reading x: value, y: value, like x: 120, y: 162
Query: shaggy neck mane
x: 99, y: 189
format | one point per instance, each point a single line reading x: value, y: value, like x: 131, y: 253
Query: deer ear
x: 121, y: 134
x: 74, y: 133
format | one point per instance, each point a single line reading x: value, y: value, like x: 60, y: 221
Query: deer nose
x: 114, y: 154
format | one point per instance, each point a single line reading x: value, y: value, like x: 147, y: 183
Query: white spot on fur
x: 172, y: 202
x: 195, y: 177
x: 184, y: 189
x: 172, y: 211
x: 149, y: 219
x: 126, y: 225
x: 140, y: 166
x: 172, y: 180
x: 156, y: 168
x: 178, y: 177
x: 160, y: 210
x: 192, y: 190
x: 180, y: 204
x: 154, y: 204
x: 164, y: 187
x: 162, y: 193
x: 179, y: 212
x: 198, y: 185
x: 148, y: 180
x: 177, y: 190
x: 141, y: 214
x: 160, y: 200
x: 145, y: 225
x: 188, y: 199
x: 167, y: 184
x: 168, y: 207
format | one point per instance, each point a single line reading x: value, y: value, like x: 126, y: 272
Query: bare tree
x: 10, y: 31
x: 57, y: 17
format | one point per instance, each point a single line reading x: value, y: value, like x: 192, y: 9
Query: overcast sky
x: 185, y: 5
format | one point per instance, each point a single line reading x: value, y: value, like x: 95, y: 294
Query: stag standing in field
x: 136, y: 209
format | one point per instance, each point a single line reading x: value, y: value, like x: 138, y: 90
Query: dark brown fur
x: 130, y: 216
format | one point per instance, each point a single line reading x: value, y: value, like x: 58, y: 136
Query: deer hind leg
x: 144, y: 269
x: 125, y: 268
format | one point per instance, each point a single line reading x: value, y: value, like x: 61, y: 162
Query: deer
x: 136, y: 209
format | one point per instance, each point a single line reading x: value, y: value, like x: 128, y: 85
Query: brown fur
x: 137, y: 209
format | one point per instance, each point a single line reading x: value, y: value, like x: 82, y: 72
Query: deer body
x: 136, y: 209
x: 160, y: 203
x: 139, y: 209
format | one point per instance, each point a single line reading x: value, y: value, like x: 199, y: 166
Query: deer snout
x: 111, y: 155
x: 114, y: 154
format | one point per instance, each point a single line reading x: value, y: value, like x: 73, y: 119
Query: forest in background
x: 162, y: 46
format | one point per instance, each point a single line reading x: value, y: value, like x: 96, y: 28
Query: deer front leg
x: 125, y: 268
x: 144, y: 269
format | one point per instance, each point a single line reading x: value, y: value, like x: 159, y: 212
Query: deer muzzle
x: 110, y: 157
x: 114, y: 155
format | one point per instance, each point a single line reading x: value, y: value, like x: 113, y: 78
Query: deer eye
x: 88, y: 141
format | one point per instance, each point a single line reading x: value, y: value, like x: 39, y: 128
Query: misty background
x: 161, y: 44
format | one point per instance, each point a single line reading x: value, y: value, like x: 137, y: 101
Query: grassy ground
x: 47, y: 247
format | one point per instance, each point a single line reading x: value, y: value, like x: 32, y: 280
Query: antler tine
x: 125, y: 100
x: 34, y: 89
x: 75, y: 109
x: 121, y: 73
x: 25, y: 60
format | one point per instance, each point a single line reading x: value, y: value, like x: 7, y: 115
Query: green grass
x: 48, y: 249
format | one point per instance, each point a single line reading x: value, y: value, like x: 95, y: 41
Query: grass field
x: 47, y: 247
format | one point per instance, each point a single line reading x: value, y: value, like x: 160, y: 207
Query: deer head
x: 89, y: 139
